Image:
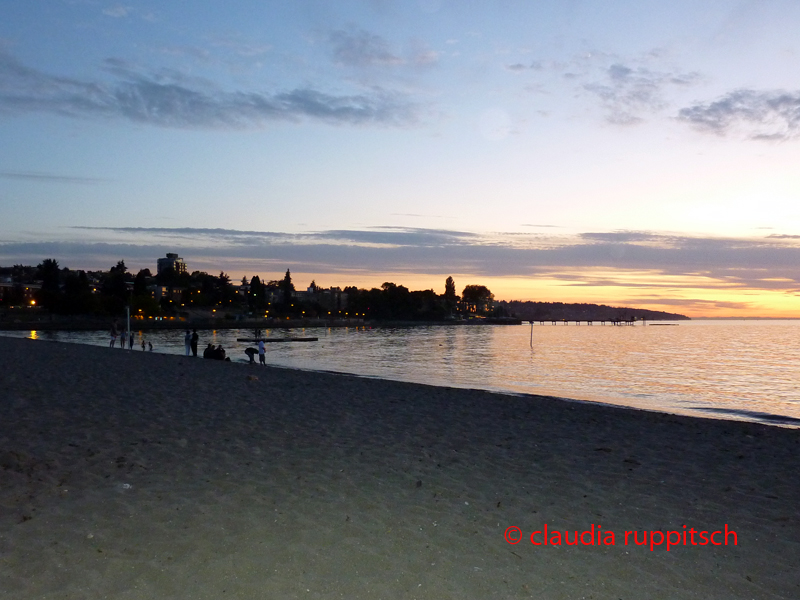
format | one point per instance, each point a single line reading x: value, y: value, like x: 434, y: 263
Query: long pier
x: 614, y: 322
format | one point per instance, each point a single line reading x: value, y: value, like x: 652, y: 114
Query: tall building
x: 172, y: 261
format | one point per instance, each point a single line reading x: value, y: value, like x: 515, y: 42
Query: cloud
x: 117, y: 11
x: 170, y: 100
x: 623, y: 236
x: 364, y: 50
x: 629, y: 90
x: 519, y: 67
x: 360, y: 48
x: 696, y: 304
x: 633, y: 260
x: 629, y: 93
x: 759, y: 115
x: 49, y: 178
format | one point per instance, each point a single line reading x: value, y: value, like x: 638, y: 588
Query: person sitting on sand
x: 209, y: 351
x: 219, y: 352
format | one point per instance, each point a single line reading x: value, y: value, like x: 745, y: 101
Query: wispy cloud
x: 360, y: 48
x: 629, y: 89
x: 629, y: 93
x: 168, y: 100
x: 521, y: 67
x: 635, y: 260
x: 117, y: 11
x: 49, y: 177
x: 760, y: 115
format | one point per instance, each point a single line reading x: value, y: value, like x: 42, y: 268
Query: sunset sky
x: 639, y: 153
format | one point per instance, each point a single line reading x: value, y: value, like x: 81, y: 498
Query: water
x: 745, y: 370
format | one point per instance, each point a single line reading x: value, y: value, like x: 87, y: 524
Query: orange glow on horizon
x: 695, y: 296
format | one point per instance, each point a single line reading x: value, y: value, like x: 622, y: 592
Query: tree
x: 49, y: 296
x: 78, y: 297
x: 477, y: 298
x: 257, y: 298
x: 225, y: 290
x: 114, y: 290
x: 450, y: 298
x: 140, y: 283
x: 287, y: 287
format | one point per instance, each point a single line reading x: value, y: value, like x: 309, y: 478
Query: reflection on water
x: 746, y: 370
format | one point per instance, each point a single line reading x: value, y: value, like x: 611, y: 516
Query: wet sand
x: 140, y: 475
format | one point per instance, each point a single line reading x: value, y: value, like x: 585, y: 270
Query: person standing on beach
x: 113, y: 334
x: 187, y: 341
x: 142, y: 343
x: 262, y: 353
x: 130, y: 339
x: 195, y: 339
x: 123, y: 339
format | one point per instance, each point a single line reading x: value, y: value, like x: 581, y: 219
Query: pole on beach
x: 531, y: 334
x: 128, y: 310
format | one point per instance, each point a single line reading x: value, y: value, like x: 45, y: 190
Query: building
x: 173, y: 262
x: 18, y: 293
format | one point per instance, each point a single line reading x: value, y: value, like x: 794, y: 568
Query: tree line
x: 76, y: 292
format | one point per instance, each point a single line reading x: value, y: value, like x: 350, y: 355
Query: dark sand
x: 139, y: 475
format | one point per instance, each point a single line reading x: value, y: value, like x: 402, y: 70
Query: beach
x: 141, y: 475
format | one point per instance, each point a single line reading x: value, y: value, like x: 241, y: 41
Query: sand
x: 140, y: 475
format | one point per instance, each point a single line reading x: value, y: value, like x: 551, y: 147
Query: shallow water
x: 747, y: 370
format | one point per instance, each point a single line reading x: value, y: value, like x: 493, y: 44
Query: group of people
x: 217, y: 353
x: 125, y: 337
x: 190, y: 339
x: 261, y: 351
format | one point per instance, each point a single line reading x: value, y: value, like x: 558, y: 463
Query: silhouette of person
x: 193, y: 342
x: 261, y: 353
x: 187, y: 341
x: 251, y: 354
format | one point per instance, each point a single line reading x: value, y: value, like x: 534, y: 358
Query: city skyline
x: 622, y: 153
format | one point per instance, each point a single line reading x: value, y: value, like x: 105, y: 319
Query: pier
x: 614, y: 322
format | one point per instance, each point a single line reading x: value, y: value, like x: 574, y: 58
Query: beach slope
x: 128, y: 474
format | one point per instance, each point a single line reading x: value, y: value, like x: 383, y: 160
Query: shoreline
x: 152, y: 475
x: 712, y: 413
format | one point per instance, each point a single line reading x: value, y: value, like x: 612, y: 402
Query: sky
x: 634, y: 153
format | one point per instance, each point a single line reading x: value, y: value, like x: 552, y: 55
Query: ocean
x: 728, y: 369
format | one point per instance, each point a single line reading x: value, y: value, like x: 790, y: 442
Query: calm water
x: 747, y: 370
